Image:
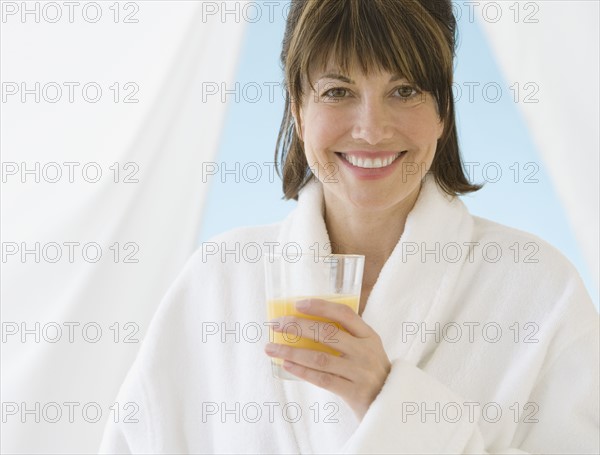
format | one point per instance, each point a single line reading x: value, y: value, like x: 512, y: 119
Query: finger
x: 327, y: 333
x: 316, y: 360
x: 336, y: 384
x: 337, y: 312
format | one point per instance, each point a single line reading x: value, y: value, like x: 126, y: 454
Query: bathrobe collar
x: 412, y: 285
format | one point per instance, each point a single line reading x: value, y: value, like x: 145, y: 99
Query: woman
x: 471, y: 337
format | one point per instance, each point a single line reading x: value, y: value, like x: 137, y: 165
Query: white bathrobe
x: 492, y: 336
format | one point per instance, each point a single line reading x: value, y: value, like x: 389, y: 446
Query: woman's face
x: 369, y: 140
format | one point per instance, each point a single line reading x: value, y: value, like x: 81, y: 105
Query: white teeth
x: 369, y: 163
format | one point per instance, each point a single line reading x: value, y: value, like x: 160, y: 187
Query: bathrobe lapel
x: 416, y: 281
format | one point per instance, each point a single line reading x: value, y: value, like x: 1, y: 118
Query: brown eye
x: 335, y: 93
x: 406, y: 91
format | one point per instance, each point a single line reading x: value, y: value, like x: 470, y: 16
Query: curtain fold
x: 142, y: 214
x: 555, y: 45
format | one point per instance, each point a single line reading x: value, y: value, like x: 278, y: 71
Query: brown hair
x: 415, y: 38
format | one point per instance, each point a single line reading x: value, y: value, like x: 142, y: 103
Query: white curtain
x: 145, y: 224
x: 555, y: 45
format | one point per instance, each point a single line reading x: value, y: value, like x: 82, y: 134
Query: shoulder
x: 529, y: 271
x: 520, y: 247
x: 233, y: 248
x: 524, y: 278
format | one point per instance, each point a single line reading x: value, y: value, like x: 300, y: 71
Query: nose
x: 372, y: 123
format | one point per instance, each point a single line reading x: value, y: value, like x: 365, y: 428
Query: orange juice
x: 292, y: 335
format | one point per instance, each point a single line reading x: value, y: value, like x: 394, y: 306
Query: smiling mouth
x: 371, y: 163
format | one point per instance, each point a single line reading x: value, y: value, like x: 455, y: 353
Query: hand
x: 357, y: 375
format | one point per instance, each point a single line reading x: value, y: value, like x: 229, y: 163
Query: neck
x: 362, y: 230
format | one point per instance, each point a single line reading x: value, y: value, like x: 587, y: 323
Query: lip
x: 371, y: 173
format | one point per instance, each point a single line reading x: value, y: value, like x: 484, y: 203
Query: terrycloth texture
x: 494, y: 349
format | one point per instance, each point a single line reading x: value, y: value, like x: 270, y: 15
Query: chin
x: 369, y: 200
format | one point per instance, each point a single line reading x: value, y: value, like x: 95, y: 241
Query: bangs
x: 373, y: 36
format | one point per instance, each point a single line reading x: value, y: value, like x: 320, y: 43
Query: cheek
x: 421, y: 129
x: 323, y: 129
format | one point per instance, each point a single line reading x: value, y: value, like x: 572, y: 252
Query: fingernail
x: 302, y: 304
x: 271, y: 348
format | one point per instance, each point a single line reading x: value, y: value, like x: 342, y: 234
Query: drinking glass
x: 290, y: 278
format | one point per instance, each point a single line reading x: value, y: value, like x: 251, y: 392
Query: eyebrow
x: 347, y: 80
